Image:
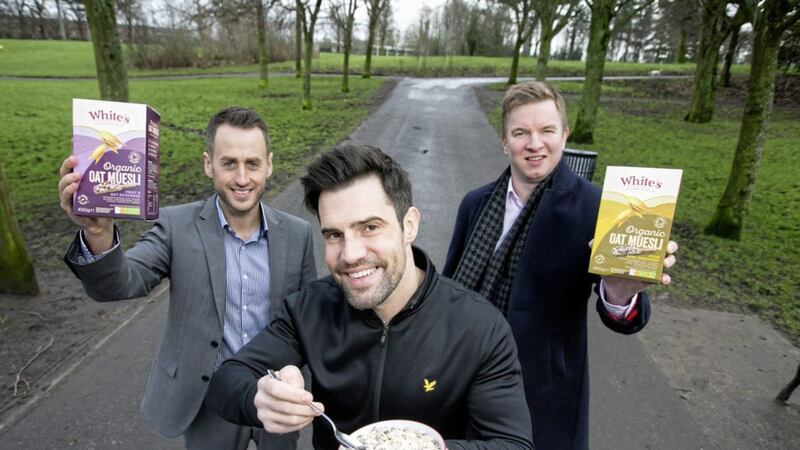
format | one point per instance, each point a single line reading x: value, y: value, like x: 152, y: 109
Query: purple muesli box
x: 117, y: 149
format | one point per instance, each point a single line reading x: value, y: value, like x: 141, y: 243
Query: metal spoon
x: 346, y: 440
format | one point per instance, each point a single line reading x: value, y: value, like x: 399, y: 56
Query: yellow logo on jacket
x: 429, y: 385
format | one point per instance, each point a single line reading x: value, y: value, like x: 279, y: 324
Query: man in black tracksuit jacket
x: 385, y: 336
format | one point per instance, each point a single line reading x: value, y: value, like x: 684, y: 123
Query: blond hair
x: 532, y: 92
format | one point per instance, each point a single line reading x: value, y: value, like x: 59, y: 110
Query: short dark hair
x: 237, y: 117
x: 341, y: 167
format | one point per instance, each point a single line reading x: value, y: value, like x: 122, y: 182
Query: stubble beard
x: 379, y: 294
x: 233, y: 207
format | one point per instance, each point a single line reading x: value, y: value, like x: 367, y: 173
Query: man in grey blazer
x: 230, y: 260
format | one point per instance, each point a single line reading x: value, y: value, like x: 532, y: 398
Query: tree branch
x: 19, y: 374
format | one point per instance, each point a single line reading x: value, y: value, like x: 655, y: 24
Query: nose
x: 534, y: 142
x: 241, y: 175
x: 353, y: 251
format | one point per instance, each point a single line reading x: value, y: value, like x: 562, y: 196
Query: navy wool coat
x: 547, y: 307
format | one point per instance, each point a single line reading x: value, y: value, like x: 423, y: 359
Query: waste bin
x: 582, y: 162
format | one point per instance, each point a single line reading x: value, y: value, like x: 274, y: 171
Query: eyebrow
x: 355, y: 224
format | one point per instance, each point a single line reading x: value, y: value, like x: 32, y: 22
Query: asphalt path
x: 436, y: 130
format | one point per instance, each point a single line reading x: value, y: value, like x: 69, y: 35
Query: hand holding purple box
x: 117, y: 148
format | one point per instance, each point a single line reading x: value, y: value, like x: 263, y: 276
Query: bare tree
x: 308, y: 18
x: 374, y: 10
x: 16, y: 269
x: 600, y: 32
x: 730, y: 54
x: 298, y: 38
x: 19, y: 7
x: 385, y: 28
x: 343, y: 13
x: 771, y: 19
x: 111, y: 73
x: 419, y: 35
x: 553, y: 16
x: 39, y: 7
x: 524, y: 23
x: 716, y: 26
x: 263, y: 47
x: 78, y: 10
x: 456, y: 20
x: 129, y: 10
x: 62, y: 31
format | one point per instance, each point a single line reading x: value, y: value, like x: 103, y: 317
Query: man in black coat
x: 384, y: 337
x: 523, y: 242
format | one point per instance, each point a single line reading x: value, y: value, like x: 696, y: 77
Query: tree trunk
x: 16, y: 269
x: 512, y: 77
x: 263, y: 49
x: 572, y: 34
x: 728, y: 220
x: 309, y: 22
x: 701, y: 109
x: 370, y: 43
x: 382, y: 42
x: 62, y: 31
x: 309, y: 50
x: 725, y: 79
x: 348, y: 43
x: 545, y: 39
x: 599, y: 35
x: 298, y: 39
x: 111, y: 73
x: 680, y: 52
x: 40, y: 21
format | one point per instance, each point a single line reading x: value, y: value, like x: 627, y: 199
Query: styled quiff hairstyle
x: 341, y: 167
x: 236, y: 117
x: 532, y: 92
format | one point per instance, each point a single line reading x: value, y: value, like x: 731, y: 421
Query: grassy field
x: 759, y: 273
x: 75, y: 59
x: 639, y: 124
x: 36, y: 133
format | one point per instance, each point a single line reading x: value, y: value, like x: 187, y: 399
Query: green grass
x: 37, y: 128
x: 458, y: 66
x: 76, y: 59
x: 757, y: 274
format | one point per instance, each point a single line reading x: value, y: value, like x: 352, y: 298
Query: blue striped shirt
x: 246, y: 286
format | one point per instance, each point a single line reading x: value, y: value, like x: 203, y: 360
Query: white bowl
x: 407, y: 424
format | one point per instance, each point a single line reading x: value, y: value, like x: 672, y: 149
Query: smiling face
x: 534, y: 140
x: 240, y: 167
x: 367, y: 250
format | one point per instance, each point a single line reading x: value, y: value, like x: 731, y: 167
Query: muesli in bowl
x: 399, y: 435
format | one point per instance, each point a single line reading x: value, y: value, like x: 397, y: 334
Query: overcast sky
x: 406, y: 11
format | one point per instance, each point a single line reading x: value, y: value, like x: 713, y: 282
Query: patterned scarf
x: 491, y: 272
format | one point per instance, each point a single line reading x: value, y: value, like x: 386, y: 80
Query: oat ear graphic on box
x: 636, y: 208
x: 110, y: 143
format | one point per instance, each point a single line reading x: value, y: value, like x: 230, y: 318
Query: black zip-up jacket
x: 447, y: 360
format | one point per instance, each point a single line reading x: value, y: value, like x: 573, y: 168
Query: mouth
x: 361, y: 273
x: 534, y: 158
x: 241, y: 194
x: 362, y: 277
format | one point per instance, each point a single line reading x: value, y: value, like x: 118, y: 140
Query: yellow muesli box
x: 634, y: 222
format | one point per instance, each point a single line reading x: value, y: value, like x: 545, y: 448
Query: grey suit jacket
x: 186, y: 245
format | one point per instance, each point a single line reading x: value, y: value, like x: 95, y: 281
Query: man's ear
x: 411, y: 225
x: 207, y: 167
x: 269, y: 164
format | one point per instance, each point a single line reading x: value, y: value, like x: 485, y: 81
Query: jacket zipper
x: 379, y: 376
